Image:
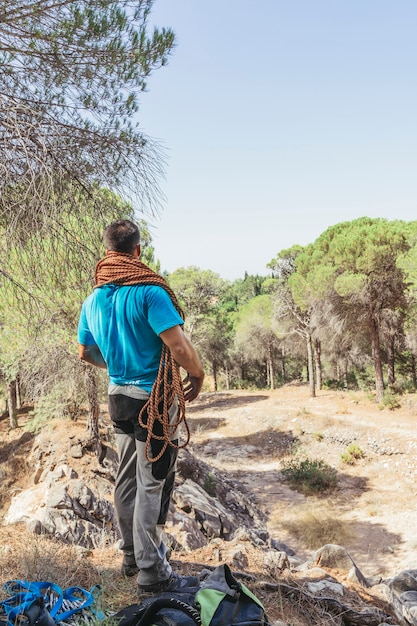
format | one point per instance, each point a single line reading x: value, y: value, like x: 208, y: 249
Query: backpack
x: 219, y: 600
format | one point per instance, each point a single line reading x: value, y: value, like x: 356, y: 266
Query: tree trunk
x: 226, y: 376
x: 391, y: 361
x: 413, y: 370
x: 18, y: 394
x: 93, y: 409
x: 317, y: 360
x: 214, y: 369
x: 271, y: 371
x: 376, y: 356
x: 310, y: 367
x: 283, y: 367
x: 12, y: 404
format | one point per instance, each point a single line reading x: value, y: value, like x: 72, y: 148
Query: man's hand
x: 185, y: 355
x: 192, y: 387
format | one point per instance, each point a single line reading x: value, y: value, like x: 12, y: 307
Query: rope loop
x: 159, y: 404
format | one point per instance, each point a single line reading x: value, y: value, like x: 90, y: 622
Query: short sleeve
x: 162, y: 313
x: 85, y: 338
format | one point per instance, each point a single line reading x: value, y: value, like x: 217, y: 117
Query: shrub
x: 389, y: 401
x: 331, y: 383
x: 58, y: 403
x: 309, y: 476
x: 352, y: 454
x: 210, y: 483
x: 318, y: 436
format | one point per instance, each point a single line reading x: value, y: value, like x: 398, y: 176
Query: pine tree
x: 71, y: 72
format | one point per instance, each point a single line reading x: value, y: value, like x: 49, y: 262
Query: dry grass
x: 29, y: 557
x: 295, y: 611
x: 38, y: 558
x: 34, y: 557
x: 317, y: 524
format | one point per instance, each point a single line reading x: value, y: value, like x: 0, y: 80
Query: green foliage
x: 353, y: 453
x: 390, y: 401
x: 50, y: 406
x: 198, y: 291
x: 407, y: 260
x: 331, y: 383
x: 352, y: 257
x: 309, y: 476
x: 283, y: 265
x: 242, y: 290
x: 318, y: 436
x: 255, y: 326
x: 365, y: 379
x: 210, y: 483
x: 38, y: 341
x: 214, y: 337
x: 75, y: 71
x: 244, y: 383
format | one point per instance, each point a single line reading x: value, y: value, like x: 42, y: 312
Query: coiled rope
x: 118, y: 268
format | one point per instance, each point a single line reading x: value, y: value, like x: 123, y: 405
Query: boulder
x: 213, y: 518
x: 336, y: 557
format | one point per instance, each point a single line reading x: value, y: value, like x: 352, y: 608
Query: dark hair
x: 121, y: 236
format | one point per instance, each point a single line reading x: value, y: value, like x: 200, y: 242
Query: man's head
x: 122, y: 236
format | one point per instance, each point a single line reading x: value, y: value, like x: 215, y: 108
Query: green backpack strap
x: 221, y: 596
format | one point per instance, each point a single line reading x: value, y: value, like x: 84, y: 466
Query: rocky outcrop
x: 207, y: 509
x: 67, y: 509
x: 402, y: 595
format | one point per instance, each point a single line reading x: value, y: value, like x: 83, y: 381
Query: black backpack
x: 219, y: 600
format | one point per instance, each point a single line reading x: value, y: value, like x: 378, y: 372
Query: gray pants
x: 142, y: 491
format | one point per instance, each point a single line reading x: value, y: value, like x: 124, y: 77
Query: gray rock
x: 214, y: 519
x: 281, y: 547
x: 239, y: 559
x: 186, y: 531
x: 337, y: 557
x: 276, y: 561
x: 76, y: 451
x: 324, y: 586
x: 404, y: 596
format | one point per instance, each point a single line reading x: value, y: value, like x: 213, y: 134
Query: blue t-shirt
x: 124, y: 322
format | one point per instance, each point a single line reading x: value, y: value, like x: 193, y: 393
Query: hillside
x: 244, y: 438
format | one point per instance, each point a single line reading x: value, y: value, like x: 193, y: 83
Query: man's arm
x: 185, y: 355
x: 91, y: 354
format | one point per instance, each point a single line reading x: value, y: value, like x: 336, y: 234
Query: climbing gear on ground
x: 46, y: 604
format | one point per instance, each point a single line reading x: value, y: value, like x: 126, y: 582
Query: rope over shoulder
x: 118, y: 268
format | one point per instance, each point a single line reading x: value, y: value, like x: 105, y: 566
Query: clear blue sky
x: 280, y: 118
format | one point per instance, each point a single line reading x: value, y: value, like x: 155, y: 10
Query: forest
x: 339, y: 312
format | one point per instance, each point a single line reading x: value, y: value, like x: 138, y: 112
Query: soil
x: 248, y: 435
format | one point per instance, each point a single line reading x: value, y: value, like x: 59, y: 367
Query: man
x: 132, y: 325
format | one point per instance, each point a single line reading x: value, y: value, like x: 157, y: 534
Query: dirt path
x: 248, y: 434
